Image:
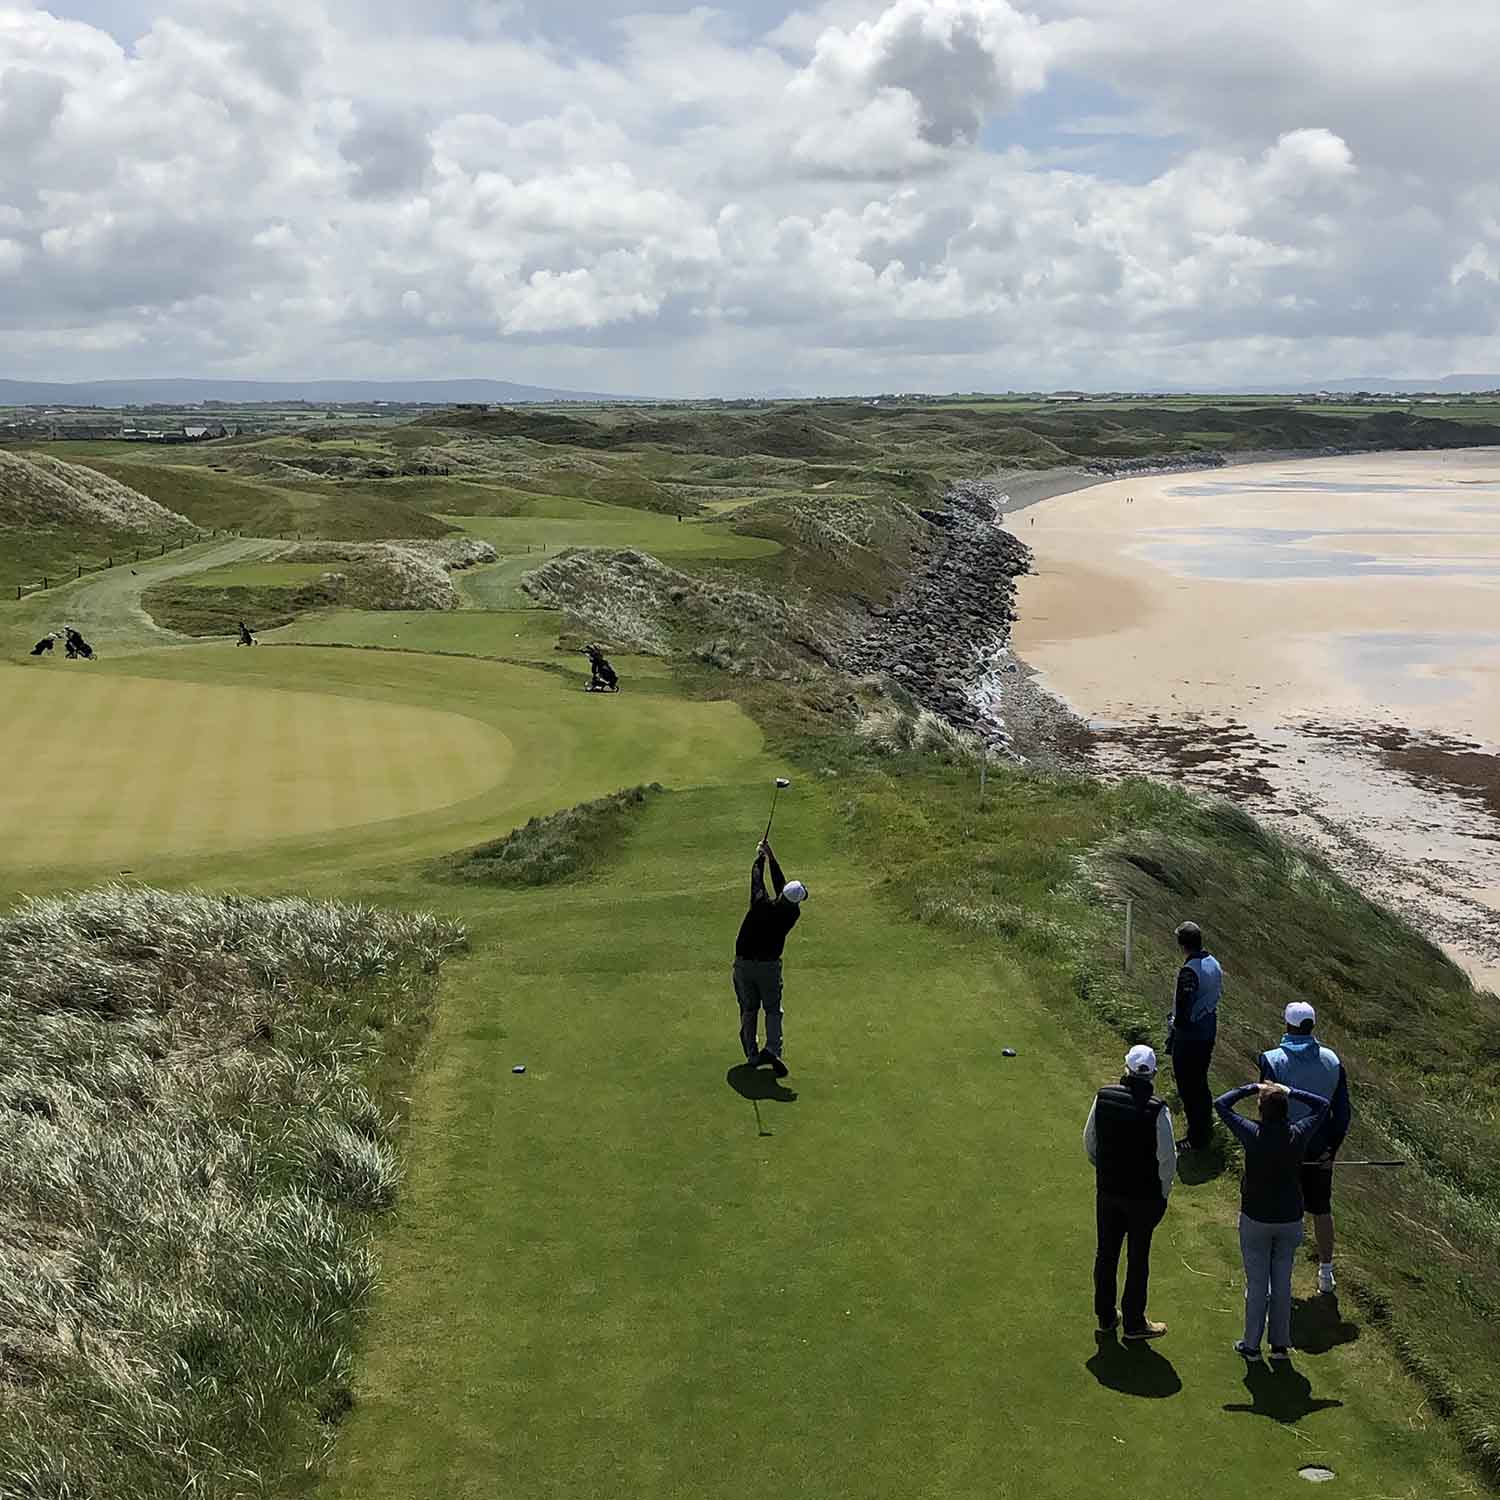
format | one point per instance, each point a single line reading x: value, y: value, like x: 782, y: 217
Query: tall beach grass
x: 191, y: 1146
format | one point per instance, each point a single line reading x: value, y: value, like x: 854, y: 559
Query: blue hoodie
x: 1302, y: 1062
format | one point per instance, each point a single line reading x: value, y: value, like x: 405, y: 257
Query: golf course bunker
x: 112, y: 770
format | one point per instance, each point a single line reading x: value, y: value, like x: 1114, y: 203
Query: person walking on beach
x: 1128, y: 1138
x: 1192, y: 1030
x: 757, y: 957
x: 1301, y: 1061
x: 1271, y: 1205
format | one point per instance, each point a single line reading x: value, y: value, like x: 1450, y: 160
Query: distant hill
x: 1445, y: 384
x: 182, y: 392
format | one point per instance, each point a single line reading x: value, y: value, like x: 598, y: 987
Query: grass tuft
x: 569, y: 845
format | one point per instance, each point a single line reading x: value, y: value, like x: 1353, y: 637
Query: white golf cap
x: 1299, y: 1013
x: 795, y: 892
x: 1141, y: 1061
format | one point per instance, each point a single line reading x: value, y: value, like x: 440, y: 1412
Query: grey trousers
x: 1269, y: 1250
x: 757, y: 987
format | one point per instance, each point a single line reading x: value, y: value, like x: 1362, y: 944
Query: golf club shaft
x: 774, y: 796
x: 1368, y: 1164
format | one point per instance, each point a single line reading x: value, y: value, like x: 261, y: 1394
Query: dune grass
x: 567, y: 845
x: 194, y: 1136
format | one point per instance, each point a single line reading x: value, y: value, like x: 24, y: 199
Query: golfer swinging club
x: 757, y: 957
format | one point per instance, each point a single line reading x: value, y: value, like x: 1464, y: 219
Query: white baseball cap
x: 795, y: 892
x: 1141, y: 1061
x: 1299, y: 1013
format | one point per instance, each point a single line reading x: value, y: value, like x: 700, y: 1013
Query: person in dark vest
x: 757, y: 957
x: 1128, y: 1137
x: 1191, y: 1032
x: 1271, y: 1205
x: 1302, y: 1062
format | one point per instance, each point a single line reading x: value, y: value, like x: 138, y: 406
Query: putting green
x: 122, y: 769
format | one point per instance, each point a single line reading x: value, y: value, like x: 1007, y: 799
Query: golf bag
x: 603, y: 678
x: 76, y: 647
x: 44, y: 646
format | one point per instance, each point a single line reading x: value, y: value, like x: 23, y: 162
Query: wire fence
x: 72, y: 575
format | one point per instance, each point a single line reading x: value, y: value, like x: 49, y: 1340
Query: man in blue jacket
x: 1301, y: 1062
x: 1192, y: 1030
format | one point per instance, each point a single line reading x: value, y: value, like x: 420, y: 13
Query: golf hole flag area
x: 112, y: 769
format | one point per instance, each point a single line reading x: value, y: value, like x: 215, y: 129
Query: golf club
x: 781, y: 782
x: 1369, y: 1164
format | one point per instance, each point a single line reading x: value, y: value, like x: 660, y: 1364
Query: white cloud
x: 315, y: 186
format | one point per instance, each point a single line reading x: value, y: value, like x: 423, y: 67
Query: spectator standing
x: 1301, y: 1061
x: 1192, y: 1031
x: 1270, y: 1206
x: 1128, y: 1138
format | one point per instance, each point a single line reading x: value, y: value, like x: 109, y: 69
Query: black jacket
x: 1124, y: 1125
x: 763, y: 932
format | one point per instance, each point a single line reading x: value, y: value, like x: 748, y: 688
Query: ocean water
x: 1244, y: 553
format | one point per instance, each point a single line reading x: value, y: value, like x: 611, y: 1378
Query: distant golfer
x: 1128, y: 1137
x: 1301, y: 1062
x: 246, y: 639
x: 1192, y: 1030
x: 757, y: 957
x: 1271, y: 1205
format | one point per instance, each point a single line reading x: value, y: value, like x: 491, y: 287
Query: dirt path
x: 106, y: 607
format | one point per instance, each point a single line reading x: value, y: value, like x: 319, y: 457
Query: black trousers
x: 1129, y: 1222
x: 1190, y: 1061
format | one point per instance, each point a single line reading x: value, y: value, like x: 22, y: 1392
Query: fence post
x: 1129, y: 934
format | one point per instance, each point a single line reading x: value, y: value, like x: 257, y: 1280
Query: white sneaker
x: 1326, y: 1283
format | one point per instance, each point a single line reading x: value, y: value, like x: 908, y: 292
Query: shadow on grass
x: 1134, y: 1369
x: 1318, y: 1325
x: 1280, y: 1392
x: 756, y: 1085
x: 1195, y: 1167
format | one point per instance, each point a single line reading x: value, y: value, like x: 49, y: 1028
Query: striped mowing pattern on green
x: 112, y: 769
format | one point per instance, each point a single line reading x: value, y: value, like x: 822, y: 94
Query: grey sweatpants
x: 757, y: 987
x: 1269, y: 1250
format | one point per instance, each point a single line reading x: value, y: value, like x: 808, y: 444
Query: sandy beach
x: 1318, y: 638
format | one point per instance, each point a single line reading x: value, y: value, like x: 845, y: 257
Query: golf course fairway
x: 616, y: 1275
x: 634, y: 1270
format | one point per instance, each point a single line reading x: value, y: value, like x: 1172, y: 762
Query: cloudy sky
x: 856, y: 195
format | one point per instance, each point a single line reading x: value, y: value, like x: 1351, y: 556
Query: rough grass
x: 192, y: 1140
x: 568, y: 845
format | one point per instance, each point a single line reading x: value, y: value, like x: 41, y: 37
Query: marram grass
x: 189, y: 1155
